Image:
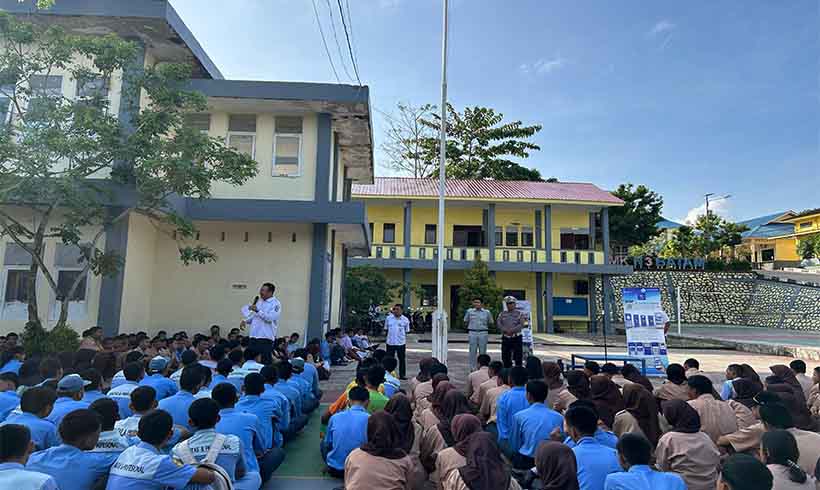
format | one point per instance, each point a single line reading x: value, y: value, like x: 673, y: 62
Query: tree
x: 365, y: 286
x: 716, y: 234
x: 683, y: 242
x: 403, y: 138
x: 478, y: 284
x: 70, y: 170
x: 479, y: 145
x: 730, y: 235
x: 634, y: 222
x: 809, y: 247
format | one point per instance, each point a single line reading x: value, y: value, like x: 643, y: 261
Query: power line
x: 336, y: 38
x: 349, y: 46
x: 324, y: 42
x: 350, y: 21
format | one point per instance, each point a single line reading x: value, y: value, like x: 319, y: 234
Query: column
x: 406, y: 277
x: 537, y: 230
x: 539, y: 302
x: 592, y: 230
x: 548, y: 301
x: 108, y: 312
x: 605, y: 230
x: 316, y: 295
x: 607, y: 294
x: 548, y: 232
x: 408, y: 229
x: 491, y: 230
x: 593, y: 307
x: 323, y: 158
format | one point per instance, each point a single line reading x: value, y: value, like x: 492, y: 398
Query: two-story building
x: 773, y: 239
x: 294, y: 224
x: 546, y: 243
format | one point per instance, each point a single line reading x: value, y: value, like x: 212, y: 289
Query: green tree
x: 715, y: 235
x: 478, y: 284
x: 809, y: 247
x: 634, y: 222
x: 683, y: 242
x: 480, y: 144
x: 366, y: 286
x: 404, y: 135
x: 70, y: 169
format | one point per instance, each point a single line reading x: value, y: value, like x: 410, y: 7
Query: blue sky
x: 685, y: 97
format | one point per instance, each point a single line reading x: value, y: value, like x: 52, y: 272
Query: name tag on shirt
x: 137, y: 463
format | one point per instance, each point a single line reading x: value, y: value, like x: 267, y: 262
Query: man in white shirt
x: 397, y: 326
x: 263, y: 317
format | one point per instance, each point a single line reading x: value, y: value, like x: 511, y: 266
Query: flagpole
x: 440, y: 324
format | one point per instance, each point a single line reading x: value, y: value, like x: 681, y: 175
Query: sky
x: 687, y: 98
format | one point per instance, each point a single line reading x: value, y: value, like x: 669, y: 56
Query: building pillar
x: 406, y: 277
x: 605, y: 230
x: 607, y: 295
x: 537, y: 230
x: 408, y: 229
x: 316, y: 294
x: 539, y: 303
x: 491, y: 230
x: 108, y: 312
x: 548, y: 231
x: 548, y: 303
x: 593, y: 307
x: 323, y: 158
x: 343, y: 290
x: 592, y: 230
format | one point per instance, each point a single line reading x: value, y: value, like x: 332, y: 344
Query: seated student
x: 309, y: 400
x: 488, y: 412
x: 603, y: 436
x: 253, y: 361
x: 346, y: 431
x: 188, y: 358
x: 156, y: 379
x: 119, y: 376
x: 484, y: 468
x: 247, y: 427
x: 745, y: 472
x: 13, y: 358
x: 440, y: 436
x: 133, y: 373
x: 675, y: 386
x: 635, y: 454
x: 380, y: 462
x: 779, y: 451
x: 51, y: 371
x: 799, y: 368
x: 353, y: 353
x: 493, y: 371
x: 207, y: 377
x: 477, y: 377
x: 286, y: 424
x: 692, y: 367
x: 422, y: 392
x: 509, y: 404
x: 532, y: 425
x: 732, y: 373
x: 69, y: 398
x: 555, y: 466
x: 553, y: 376
x: 717, y: 418
x: 8, y: 394
x: 36, y: 404
x: 462, y: 426
x: 592, y: 368
x: 392, y: 384
x: 373, y: 381
x: 177, y: 405
x: 92, y: 390
x: 284, y: 371
x: 640, y: 414
x: 204, y: 416
x: 595, y: 461
x: 73, y: 463
x: 145, y: 467
x: 15, y: 448
x: 110, y: 440
x: 265, y: 409
x: 309, y: 373
x: 223, y: 370
x: 685, y: 450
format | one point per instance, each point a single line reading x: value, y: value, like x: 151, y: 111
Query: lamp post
x: 709, y: 199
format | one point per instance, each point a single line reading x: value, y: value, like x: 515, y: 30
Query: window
x: 499, y: 236
x: 198, y: 122
x: 44, y: 87
x: 512, y: 236
x: 389, y: 233
x: 15, y: 300
x: 94, y: 87
x: 805, y: 225
x: 429, y: 298
x: 581, y: 242
x: 65, y: 279
x: 581, y: 288
x: 430, y: 235
x: 242, y: 133
x: 287, y: 146
x: 526, y: 236
x: 767, y: 255
x: 574, y: 241
x: 468, y: 236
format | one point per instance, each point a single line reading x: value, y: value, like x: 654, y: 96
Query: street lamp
x: 709, y: 199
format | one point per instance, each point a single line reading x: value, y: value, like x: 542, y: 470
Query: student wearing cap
x: 35, y: 405
x: 133, y: 373
x: 177, y: 405
x: 69, y: 397
x: 511, y: 322
x: 73, y: 464
x: 15, y: 449
x: 155, y: 378
x: 92, y: 391
x: 8, y: 394
x: 346, y: 431
x: 145, y: 467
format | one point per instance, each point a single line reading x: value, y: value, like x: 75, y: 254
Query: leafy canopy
x: 478, y: 283
x: 635, y: 222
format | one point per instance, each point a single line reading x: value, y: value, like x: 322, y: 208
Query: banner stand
x: 644, y: 328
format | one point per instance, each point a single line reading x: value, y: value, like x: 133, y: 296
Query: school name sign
x: 648, y: 262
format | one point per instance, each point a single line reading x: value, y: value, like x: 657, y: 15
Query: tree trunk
x: 33, y: 310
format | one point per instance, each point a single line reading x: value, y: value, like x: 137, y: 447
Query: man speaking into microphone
x: 263, y: 317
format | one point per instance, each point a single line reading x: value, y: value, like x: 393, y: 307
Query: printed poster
x: 644, y: 330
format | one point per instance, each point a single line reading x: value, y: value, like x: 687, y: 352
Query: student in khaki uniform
x: 493, y: 371
x: 489, y: 406
x: 452, y: 458
x: 477, y: 377
x: 686, y: 450
x: 484, y: 470
x: 432, y: 415
x: 675, y: 386
x: 555, y: 383
x: 717, y: 418
x: 423, y: 377
x: 380, y: 463
x: 410, y: 432
x: 440, y: 436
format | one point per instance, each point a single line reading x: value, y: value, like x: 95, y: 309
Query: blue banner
x: 643, y: 320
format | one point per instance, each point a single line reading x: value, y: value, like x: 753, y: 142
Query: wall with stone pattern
x: 730, y: 298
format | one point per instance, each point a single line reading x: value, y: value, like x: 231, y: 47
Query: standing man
x: 478, y: 322
x: 511, y: 322
x: 397, y: 326
x: 263, y: 317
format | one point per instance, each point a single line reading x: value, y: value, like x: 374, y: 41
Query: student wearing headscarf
x: 778, y: 449
x: 484, y: 469
x: 440, y: 436
x: 748, y: 372
x: 424, y: 375
x: 792, y: 397
x: 675, y: 387
x: 379, y: 463
x: 789, y: 378
x: 640, y: 414
x: 686, y: 450
x: 555, y: 384
x: 410, y: 432
x: 432, y: 415
x: 463, y: 426
x: 745, y: 391
x: 577, y: 389
x: 424, y: 391
x: 607, y: 398
x: 556, y: 466
x: 632, y: 374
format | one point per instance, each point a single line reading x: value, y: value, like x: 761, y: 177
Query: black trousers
x: 400, y: 351
x: 264, y: 347
x: 521, y: 462
x: 511, y: 349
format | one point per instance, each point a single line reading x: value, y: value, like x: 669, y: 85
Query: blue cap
x: 72, y: 383
x: 298, y: 363
x: 158, y: 363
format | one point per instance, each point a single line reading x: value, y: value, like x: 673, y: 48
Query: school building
x: 546, y: 243
x: 294, y: 224
x: 772, y: 240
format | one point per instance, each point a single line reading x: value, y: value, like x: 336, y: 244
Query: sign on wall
x: 644, y: 327
x: 649, y: 262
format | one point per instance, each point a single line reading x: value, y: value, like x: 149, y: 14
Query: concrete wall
x: 139, y: 272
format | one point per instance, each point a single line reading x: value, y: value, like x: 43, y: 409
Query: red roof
x: 486, y: 189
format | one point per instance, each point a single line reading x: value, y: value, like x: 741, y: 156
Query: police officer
x: 15, y: 448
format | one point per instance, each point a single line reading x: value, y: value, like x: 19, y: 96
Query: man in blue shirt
x: 247, y: 427
x: 110, y: 440
x: 73, y: 464
x: 8, y: 394
x: 392, y: 385
x: 133, y: 373
x: 532, y: 425
x: 177, y: 405
x: 69, y: 397
x: 309, y: 373
x: 284, y: 371
x: 287, y: 423
x: 509, y: 404
x: 604, y: 437
x: 92, y: 391
x: 309, y: 402
x: 595, y: 461
x: 156, y: 379
x: 265, y: 409
x: 635, y: 455
x: 16, y: 443
x: 36, y: 404
x: 223, y: 370
x: 346, y: 431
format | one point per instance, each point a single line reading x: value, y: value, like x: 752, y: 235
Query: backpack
x: 222, y: 480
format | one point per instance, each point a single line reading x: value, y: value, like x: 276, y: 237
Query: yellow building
x: 773, y: 239
x: 806, y: 223
x: 546, y: 243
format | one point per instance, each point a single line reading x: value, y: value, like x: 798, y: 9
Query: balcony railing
x: 509, y: 255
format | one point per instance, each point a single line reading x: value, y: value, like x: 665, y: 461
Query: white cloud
x: 543, y: 66
x: 721, y: 208
x: 663, y: 26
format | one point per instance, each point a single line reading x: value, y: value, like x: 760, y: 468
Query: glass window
x: 198, y: 122
x: 242, y: 133
x: 499, y: 236
x: 389, y: 235
x: 65, y: 279
x: 807, y: 224
x: 17, y: 282
x: 767, y: 255
x: 430, y: 235
x: 287, y: 146
x: 46, y: 85
x: 512, y: 236
x: 242, y: 123
x: 93, y: 87
x: 581, y: 242
x: 526, y: 236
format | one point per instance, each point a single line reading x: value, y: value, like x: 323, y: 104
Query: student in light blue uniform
x: 309, y: 402
x: 133, y: 373
x: 35, y: 405
x: 346, y: 431
x: 635, y: 455
x: 110, y: 440
x: 392, y: 385
x: 247, y: 427
x: 604, y: 437
x: 156, y: 379
x: 509, y: 404
x: 9, y: 400
x: 223, y: 370
x: 204, y: 416
x: 145, y: 467
x: 189, y: 358
x: 177, y: 405
x: 595, y: 461
x: 284, y: 371
x: 532, y: 425
x: 73, y: 464
x: 309, y: 373
x: 285, y: 409
x: 15, y: 449
x: 119, y: 376
x: 11, y: 360
x: 265, y: 410
x: 69, y: 397
x: 92, y: 391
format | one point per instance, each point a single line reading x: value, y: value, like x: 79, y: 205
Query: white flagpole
x: 440, y: 323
